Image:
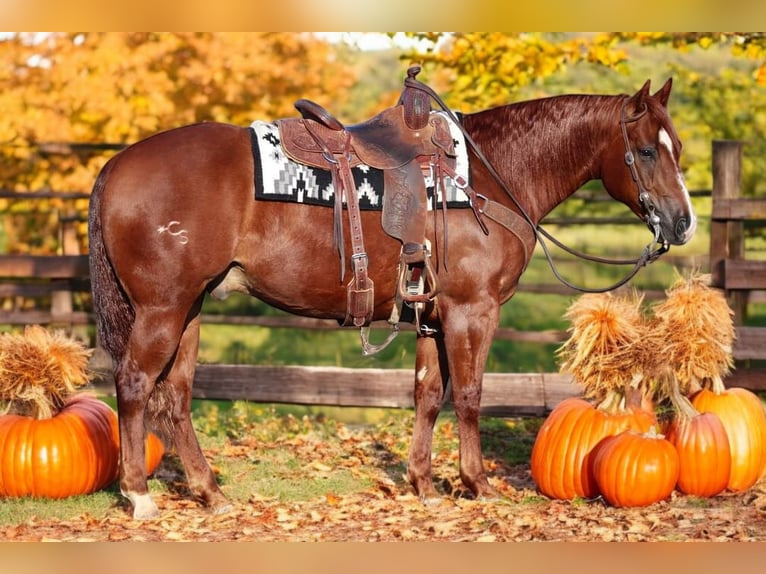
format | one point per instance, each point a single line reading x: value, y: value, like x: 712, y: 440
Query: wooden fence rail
x: 504, y: 394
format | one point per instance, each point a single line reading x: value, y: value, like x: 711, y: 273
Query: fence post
x: 727, y: 239
x: 62, y: 304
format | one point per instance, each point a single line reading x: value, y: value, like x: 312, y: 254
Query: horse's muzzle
x: 683, y: 230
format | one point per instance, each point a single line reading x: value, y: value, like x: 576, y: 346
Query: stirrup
x: 415, y: 270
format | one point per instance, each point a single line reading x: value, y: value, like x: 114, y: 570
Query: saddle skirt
x: 280, y: 178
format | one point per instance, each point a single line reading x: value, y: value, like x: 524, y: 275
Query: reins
x: 647, y: 256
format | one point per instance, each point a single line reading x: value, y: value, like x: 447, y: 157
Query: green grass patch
x: 17, y: 510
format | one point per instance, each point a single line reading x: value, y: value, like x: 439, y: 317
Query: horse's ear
x: 664, y: 93
x: 637, y: 99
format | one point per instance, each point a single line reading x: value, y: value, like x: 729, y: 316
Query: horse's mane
x: 545, y: 121
x: 547, y: 145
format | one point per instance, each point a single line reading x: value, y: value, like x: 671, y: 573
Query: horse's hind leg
x: 152, y: 343
x: 430, y: 381
x: 199, y: 475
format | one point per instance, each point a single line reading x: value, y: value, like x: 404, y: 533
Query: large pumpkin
x: 744, y: 419
x: 635, y: 469
x: 703, y: 451
x: 74, y: 452
x: 561, y: 460
x: 71, y: 453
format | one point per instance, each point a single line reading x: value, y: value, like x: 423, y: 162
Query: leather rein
x: 648, y: 255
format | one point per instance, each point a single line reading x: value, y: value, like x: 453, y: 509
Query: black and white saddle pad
x: 278, y: 178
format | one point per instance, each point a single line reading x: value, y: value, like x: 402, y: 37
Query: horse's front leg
x: 152, y: 342
x: 431, y: 376
x: 469, y: 330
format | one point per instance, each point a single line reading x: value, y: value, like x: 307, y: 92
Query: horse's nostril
x: 682, y: 225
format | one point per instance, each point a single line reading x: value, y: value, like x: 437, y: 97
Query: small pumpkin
x: 703, y: 451
x: 743, y: 417
x: 635, y: 469
x: 154, y: 448
x: 561, y: 460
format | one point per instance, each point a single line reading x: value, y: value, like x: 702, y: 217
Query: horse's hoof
x: 491, y: 495
x: 432, y: 500
x: 222, y: 508
x: 143, y: 507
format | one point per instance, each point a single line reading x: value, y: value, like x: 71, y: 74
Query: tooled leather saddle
x: 407, y: 142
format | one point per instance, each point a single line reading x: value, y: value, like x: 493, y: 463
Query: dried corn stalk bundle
x: 694, y: 326
x: 39, y: 370
x: 605, y: 335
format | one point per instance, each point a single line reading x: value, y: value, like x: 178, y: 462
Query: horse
x: 173, y: 217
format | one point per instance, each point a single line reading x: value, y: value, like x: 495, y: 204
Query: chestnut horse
x: 174, y: 216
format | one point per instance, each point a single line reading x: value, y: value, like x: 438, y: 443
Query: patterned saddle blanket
x: 278, y: 178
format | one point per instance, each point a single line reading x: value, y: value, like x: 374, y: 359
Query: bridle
x: 648, y: 255
x: 651, y: 217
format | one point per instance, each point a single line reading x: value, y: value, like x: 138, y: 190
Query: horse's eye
x: 647, y: 153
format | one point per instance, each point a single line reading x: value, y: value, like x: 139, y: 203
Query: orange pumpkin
x: 635, y: 469
x: 71, y: 453
x: 703, y: 451
x: 562, y: 454
x: 74, y: 452
x: 743, y: 417
x: 154, y: 449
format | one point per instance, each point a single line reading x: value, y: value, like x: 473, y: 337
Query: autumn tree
x: 719, y: 89
x: 97, y: 87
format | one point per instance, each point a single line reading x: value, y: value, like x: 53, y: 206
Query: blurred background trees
x: 64, y: 94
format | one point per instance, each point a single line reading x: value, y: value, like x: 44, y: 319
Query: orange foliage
x: 115, y: 87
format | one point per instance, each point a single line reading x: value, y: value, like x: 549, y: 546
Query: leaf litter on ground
x: 314, y: 479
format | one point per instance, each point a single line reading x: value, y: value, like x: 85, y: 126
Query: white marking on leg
x: 183, y: 239
x: 143, y: 506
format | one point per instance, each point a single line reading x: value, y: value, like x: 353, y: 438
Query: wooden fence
x: 738, y: 276
x: 59, y: 277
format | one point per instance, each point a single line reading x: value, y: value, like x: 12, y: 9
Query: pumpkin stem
x: 683, y: 407
x: 716, y: 384
x: 613, y: 402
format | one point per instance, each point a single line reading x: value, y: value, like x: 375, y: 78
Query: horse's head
x: 643, y: 170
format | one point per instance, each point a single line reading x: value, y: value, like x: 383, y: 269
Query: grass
x: 17, y: 510
x: 286, y: 454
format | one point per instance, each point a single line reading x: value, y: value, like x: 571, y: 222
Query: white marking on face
x: 183, y: 239
x: 668, y: 143
x: 421, y: 374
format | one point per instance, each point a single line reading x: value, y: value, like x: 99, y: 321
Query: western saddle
x: 407, y: 142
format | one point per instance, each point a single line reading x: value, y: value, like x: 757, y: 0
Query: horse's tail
x: 114, y: 314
